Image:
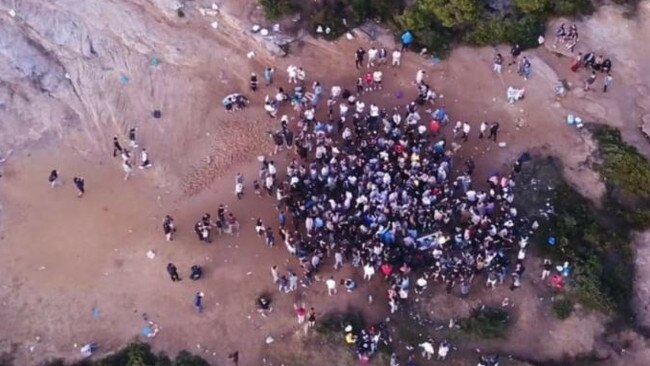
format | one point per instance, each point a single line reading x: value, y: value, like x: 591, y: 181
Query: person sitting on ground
x: 196, y: 272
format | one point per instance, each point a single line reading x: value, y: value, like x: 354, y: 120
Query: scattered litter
x: 88, y: 349
x: 214, y: 24
x: 256, y: 28
x: 349, y: 36
x: 249, y: 273
x: 67, y: 76
x: 251, y: 54
x: 156, y: 113
x: 12, y: 13
x: 514, y: 94
x: 151, y: 254
x: 319, y: 29
x: 276, y: 27
x: 574, y: 120
x: 150, y: 330
x: 155, y: 61
x: 208, y: 12
x: 435, y: 60
x: 214, y: 6
x: 95, y: 313
x: 41, y: 268
x: 503, y: 144
x: 269, y: 340
x: 124, y: 79
x: 264, y: 32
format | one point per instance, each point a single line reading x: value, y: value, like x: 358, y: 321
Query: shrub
x: 533, y: 6
x: 562, y: 308
x: 274, y: 9
x: 486, y: 322
x: 573, y: 7
x: 335, y: 323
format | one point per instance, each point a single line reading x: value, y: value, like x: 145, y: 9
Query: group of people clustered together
x: 378, y: 189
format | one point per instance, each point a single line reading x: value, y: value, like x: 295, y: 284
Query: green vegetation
x: 437, y: 23
x: 594, y: 239
x: 335, y: 323
x: 562, y: 307
x: 138, y: 354
x: 486, y: 322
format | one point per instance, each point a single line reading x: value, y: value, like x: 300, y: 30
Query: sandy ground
x: 63, y: 256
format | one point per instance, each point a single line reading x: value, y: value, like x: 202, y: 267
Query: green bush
x: 625, y: 171
x: 573, y: 7
x: 487, y: 322
x: 274, y: 9
x: 335, y: 323
x: 524, y: 31
x: 562, y: 308
x: 533, y: 6
x: 138, y: 354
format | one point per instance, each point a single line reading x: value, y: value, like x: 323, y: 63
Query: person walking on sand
x: 128, y: 169
x: 494, y: 130
x: 169, y: 228
x: 311, y: 319
x: 274, y: 274
x: 198, y: 302
x: 116, y: 146
x: 373, y: 53
x: 482, y: 129
x: 80, y: 184
x: 590, y: 81
x: 54, y: 178
x: 145, y: 163
x: 173, y: 272
x: 301, y: 312
x: 607, y: 82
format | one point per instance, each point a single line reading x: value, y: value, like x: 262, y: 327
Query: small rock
x: 215, y: 25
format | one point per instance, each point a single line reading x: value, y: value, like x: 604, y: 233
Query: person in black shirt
x: 173, y: 272
x: 358, y: 57
x: 80, y: 184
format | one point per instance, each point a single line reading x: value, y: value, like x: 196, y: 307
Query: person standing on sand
x: 607, y: 82
x: 116, y: 146
x: 268, y: 75
x: 254, y: 82
x: 397, y: 57
x: 79, y: 183
x: 358, y: 57
x: 234, y: 357
x: 169, y: 228
x: 173, y: 272
x: 132, y: 138
x: 239, y: 185
x: 498, y: 63
x: 54, y: 178
x: 515, y: 52
x: 311, y: 319
x: 274, y: 274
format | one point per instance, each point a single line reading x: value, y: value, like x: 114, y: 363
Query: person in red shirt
x: 387, y: 270
x: 301, y: 312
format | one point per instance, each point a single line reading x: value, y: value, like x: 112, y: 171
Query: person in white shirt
x: 331, y: 286
x: 427, y: 350
x: 144, y: 159
x: 368, y: 271
x: 419, y: 76
x: 293, y: 74
x: 376, y: 79
x: 360, y: 106
x: 343, y: 109
x: 397, y: 58
x: 372, y: 56
x: 466, y: 129
x: 483, y: 128
x: 443, y: 350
